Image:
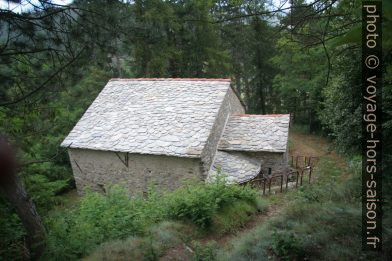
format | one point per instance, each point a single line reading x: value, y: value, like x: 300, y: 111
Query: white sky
x: 280, y: 4
x: 25, y: 5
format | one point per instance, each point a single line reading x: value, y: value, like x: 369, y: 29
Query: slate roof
x: 151, y: 116
x: 256, y: 133
x: 236, y: 167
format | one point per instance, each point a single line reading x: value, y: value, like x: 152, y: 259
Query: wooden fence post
x: 269, y: 186
x: 287, y: 181
x: 281, y: 183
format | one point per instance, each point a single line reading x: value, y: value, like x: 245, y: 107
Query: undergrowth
x: 116, y: 217
x: 322, y: 222
x: 156, y: 241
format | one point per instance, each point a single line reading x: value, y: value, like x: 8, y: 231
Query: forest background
x: 299, y: 57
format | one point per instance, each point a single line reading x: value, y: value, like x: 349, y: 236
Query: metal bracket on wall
x: 125, y: 161
x: 77, y: 165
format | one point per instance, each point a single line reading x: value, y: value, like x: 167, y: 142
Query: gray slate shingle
x: 256, y: 133
x: 163, y: 117
x: 236, y: 167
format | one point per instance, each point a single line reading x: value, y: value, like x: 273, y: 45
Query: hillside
x: 132, y: 99
x: 315, y: 221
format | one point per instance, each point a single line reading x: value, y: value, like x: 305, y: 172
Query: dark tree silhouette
x: 12, y: 190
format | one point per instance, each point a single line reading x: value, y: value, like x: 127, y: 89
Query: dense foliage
x: 101, y: 218
x: 55, y: 59
x: 322, y: 222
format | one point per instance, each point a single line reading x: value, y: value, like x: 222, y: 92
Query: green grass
x: 205, y: 252
x: 321, y: 222
x: 157, y: 240
x: 115, y: 217
x: 301, y: 128
x: 232, y: 217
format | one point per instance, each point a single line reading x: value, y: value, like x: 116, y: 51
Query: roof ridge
x: 260, y: 115
x: 172, y: 79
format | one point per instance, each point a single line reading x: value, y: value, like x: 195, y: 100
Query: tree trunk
x: 247, y: 94
x: 12, y: 190
x: 259, y: 56
x: 238, y: 83
x: 262, y: 96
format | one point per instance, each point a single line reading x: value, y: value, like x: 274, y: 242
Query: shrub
x: 206, y: 252
x: 121, y: 250
x: 229, y: 218
x: 322, y: 222
x: 157, y: 240
x: 100, y: 218
x: 43, y: 191
x: 250, y: 246
x: 11, y: 234
x: 199, y: 202
x: 165, y: 235
x: 287, y: 246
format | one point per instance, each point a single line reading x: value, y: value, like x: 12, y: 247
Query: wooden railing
x: 302, y: 168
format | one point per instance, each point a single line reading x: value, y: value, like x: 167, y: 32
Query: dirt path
x: 225, y: 240
x: 300, y: 144
x: 307, y: 144
x: 183, y: 252
x: 312, y: 145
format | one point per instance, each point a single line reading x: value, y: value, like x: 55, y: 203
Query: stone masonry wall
x: 276, y: 161
x: 231, y: 105
x: 99, y: 169
x: 235, y: 104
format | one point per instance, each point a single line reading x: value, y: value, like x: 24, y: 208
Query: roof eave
x: 254, y: 150
x: 193, y: 156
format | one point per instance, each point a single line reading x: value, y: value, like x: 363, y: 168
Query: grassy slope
x: 146, y: 228
x: 318, y: 222
x: 246, y: 242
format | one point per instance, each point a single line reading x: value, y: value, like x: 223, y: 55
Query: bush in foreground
x: 322, y: 222
x: 116, y: 216
x: 157, y: 240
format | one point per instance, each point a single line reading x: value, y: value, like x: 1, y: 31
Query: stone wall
x: 274, y: 160
x: 231, y: 105
x: 99, y: 169
x: 235, y: 104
